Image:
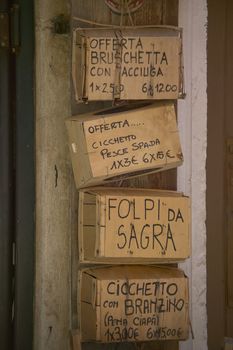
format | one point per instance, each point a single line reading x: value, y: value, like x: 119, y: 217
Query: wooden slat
x: 229, y: 135
x: 216, y: 259
x: 229, y: 227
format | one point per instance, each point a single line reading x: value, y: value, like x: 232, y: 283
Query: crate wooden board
x: 119, y: 225
x: 133, y: 303
x: 127, y: 64
x: 123, y: 142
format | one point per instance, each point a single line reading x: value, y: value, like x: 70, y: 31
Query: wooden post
x: 152, y: 12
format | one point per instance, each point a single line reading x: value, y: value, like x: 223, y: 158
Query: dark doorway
x: 17, y: 176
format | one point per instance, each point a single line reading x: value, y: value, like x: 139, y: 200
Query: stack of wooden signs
x: 127, y: 291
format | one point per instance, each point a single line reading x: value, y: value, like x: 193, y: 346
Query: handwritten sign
x: 136, y: 304
x: 127, y: 64
x: 133, y: 224
x: 114, y: 143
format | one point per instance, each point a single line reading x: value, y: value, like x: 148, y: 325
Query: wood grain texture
x: 229, y: 159
x: 215, y: 184
x: 152, y: 12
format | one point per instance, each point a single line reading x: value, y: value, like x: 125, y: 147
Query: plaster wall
x: 216, y: 248
x: 192, y: 114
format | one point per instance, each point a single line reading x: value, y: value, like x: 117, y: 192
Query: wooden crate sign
x: 123, y: 142
x: 125, y: 225
x: 133, y: 303
x: 127, y: 64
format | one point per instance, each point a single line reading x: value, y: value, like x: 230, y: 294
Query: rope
x: 122, y: 13
x: 113, y: 26
x: 129, y: 13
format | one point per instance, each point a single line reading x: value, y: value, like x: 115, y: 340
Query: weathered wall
x: 54, y: 181
x: 192, y: 113
x: 215, y: 175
